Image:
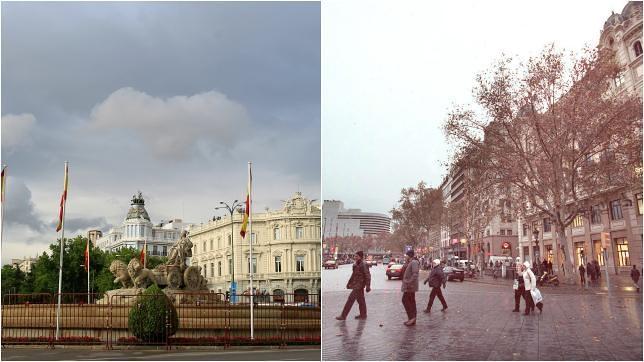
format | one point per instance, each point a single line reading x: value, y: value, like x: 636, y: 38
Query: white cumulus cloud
x: 16, y: 129
x: 172, y: 127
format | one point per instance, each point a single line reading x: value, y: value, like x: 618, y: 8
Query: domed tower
x: 623, y: 34
x: 137, y: 227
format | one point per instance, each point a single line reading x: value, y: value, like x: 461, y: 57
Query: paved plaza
x: 576, y: 324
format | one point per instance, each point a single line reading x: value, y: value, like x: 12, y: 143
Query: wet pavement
x: 576, y: 324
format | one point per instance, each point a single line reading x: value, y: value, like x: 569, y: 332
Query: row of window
x: 299, y: 266
x: 277, y: 235
x: 621, y: 252
x: 615, y: 210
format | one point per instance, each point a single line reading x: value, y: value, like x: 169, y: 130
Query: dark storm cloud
x: 169, y: 98
x: 19, y: 207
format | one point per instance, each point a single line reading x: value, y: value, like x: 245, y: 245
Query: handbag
x: 536, y: 295
x: 515, y: 286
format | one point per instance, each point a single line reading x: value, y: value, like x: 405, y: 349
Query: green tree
x: 12, y: 279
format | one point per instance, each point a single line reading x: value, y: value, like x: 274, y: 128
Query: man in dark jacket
x: 360, y: 279
x: 635, y: 275
x: 519, y: 292
x: 590, y: 270
x: 582, y: 274
x: 436, y: 279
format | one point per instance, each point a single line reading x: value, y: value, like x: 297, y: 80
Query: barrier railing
x: 202, y: 319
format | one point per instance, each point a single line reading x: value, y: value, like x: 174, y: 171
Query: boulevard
x: 479, y: 325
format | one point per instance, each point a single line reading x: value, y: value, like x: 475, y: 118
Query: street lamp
x: 535, y: 233
x: 231, y: 210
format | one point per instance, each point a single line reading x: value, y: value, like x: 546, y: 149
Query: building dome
x: 632, y: 8
x: 137, y: 209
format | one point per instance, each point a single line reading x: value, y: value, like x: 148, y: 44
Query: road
x: 479, y: 324
x: 192, y: 354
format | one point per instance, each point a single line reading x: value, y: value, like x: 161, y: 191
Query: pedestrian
x: 519, y: 290
x: 544, y: 265
x: 549, y: 267
x: 635, y: 275
x: 598, y: 270
x: 582, y: 274
x: 436, y: 279
x: 359, y: 280
x: 590, y: 271
x: 530, y: 282
x: 410, y: 287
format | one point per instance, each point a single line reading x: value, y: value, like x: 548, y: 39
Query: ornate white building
x: 286, y: 250
x: 137, y: 230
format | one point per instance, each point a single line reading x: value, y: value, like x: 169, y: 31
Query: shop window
x: 623, y: 258
x: 579, y: 253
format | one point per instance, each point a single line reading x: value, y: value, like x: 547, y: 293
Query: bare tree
x: 419, y: 211
x: 554, y: 132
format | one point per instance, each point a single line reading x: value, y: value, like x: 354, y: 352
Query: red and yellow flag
x: 2, y: 184
x: 242, y: 232
x: 143, y: 254
x: 63, y: 199
x: 87, y: 256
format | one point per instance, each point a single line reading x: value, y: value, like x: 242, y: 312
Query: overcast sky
x: 391, y: 71
x: 172, y: 99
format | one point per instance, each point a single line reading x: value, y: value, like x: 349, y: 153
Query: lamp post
x: 535, y: 233
x: 231, y: 210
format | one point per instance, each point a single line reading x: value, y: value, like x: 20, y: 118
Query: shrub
x: 147, y: 318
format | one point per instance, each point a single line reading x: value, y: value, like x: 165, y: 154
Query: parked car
x: 330, y: 264
x: 394, y: 271
x: 454, y: 273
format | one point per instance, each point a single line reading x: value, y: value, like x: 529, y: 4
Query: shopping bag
x: 536, y: 295
x: 515, y: 286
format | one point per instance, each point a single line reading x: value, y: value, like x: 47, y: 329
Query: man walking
x: 590, y: 270
x: 519, y: 291
x: 582, y: 274
x: 360, y: 279
x: 635, y: 275
x: 435, y: 279
x: 410, y: 287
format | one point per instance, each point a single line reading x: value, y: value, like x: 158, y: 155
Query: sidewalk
x: 479, y: 325
x: 618, y: 283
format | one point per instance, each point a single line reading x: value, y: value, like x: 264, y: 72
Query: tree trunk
x: 569, y: 267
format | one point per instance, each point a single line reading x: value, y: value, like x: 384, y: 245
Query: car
x: 452, y: 273
x: 373, y: 262
x: 330, y: 264
x: 394, y: 271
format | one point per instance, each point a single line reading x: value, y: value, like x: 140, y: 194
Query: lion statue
x: 119, y: 270
x: 141, y: 277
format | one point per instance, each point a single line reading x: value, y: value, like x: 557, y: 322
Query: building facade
x: 286, y: 255
x: 340, y: 222
x: 94, y: 235
x: 23, y: 264
x: 614, y: 220
x: 137, y: 230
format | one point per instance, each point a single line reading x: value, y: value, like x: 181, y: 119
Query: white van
x: 502, y: 259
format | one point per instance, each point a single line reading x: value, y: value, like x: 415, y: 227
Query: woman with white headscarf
x: 530, y: 282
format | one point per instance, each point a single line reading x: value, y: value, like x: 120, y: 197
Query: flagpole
x: 250, y: 227
x: 62, y: 244
x: 4, y: 179
x: 88, y: 269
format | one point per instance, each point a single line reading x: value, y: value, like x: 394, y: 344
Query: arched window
x: 278, y: 295
x: 637, y: 47
x: 276, y: 233
x: 301, y: 295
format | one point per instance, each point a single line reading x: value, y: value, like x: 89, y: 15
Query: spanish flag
x: 63, y: 199
x: 87, y: 256
x: 242, y: 232
x: 143, y: 253
x: 2, y: 184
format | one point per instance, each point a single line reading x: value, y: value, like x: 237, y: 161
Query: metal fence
x: 197, y: 319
